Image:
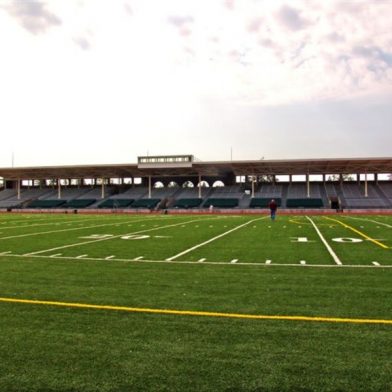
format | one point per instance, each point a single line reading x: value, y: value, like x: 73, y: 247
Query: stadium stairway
x: 324, y: 196
x: 244, y: 201
x: 342, y: 199
x: 382, y: 195
x: 285, y: 191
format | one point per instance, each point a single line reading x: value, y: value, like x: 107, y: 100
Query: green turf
x: 46, y: 348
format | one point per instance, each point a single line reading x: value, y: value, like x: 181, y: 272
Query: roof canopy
x: 212, y: 168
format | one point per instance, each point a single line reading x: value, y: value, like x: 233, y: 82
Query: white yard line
x: 369, y: 220
x: 211, y: 239
x: 57, y: 231
x: 110, y: 238
x: 81, y: 256
x: 74, y: 228
x: 110, y: 257
x: 216, y: 263
x: 63, y: 222
x: 324, y: 241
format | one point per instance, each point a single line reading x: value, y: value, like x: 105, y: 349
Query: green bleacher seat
x: 304, y: 203
x: 46, y: 203
x: 188, y: 203
x: 79, y: 203
x: 145, y: 203
x: 221, y: 202
x: 262, y: 202
x: 116, y: 203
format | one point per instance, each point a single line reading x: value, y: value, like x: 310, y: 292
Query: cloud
x: 373, y: 53
x: 182, y: 23
x: 291, y: 18
x: 254, y: 25
x: 128, y: 9
x: 82, y: 42
x: 229, y: 4
x: 33, y: 15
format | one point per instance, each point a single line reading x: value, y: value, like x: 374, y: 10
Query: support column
x: 58, y: 189
x: 103, y: 189
x: 307, y: 185
x: 149, y: 187
x: 199, y: 186
x: 18, y: 188
x: 366, y: 185
x: 376, y: 178
x: 253, y: 186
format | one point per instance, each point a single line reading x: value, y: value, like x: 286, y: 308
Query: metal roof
x: 212, y: 168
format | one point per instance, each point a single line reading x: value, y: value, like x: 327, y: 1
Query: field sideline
x: 166, y: 268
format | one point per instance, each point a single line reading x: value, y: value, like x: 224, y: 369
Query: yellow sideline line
x: 196, y: 313
x: 359, y: 232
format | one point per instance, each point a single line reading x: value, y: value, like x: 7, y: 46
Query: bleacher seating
x: 116, y: 203
x: 145, y: 203
x: 187, y: 203
x: 79, y: 203
x: 269, y: 190
x: 299, y: 191
x: 263, y: 202
x: 221, y: 202
x: 304, y: 203
x: 47, y: 203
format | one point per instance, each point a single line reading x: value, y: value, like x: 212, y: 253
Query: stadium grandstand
x: 183, y: 183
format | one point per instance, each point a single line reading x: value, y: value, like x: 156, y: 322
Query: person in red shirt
x: 273, y: 207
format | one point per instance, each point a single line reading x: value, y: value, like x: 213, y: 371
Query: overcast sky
x: 98, y: 81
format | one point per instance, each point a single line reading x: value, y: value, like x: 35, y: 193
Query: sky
x: 103, y: 82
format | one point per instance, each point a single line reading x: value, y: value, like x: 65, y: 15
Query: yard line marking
x: 268, y: 262
x: 233, y: 261
x: 196, y: 312
x: 5, y: 253
x: 59, y: 231
x: 110, y: 238
x: 137, y: 258
x: 360, y: 233
x: 211, y: 239
x: 110, y: 257
x: 56, y: 255
x: 376, y: 264
x: 81, y: 256
x: 42, y: 224
x: 215, y: 263
x: 324, y: 241
x: 201, y: 260
x: 371, y: 220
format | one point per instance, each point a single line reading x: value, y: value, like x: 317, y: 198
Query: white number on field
x: 347, y: 240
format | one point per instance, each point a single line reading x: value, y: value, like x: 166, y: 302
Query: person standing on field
x: 273, y: 207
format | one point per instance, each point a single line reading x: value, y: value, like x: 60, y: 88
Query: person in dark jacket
x: 273, y: 207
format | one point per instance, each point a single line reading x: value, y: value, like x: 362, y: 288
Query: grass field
x: 195, y: 303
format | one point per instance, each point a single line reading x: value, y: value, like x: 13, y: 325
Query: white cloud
x: 33, y: 15
x: 147, y: 66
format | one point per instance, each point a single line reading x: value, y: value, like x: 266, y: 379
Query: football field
x: 195, y: 303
